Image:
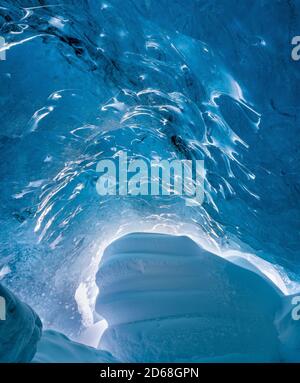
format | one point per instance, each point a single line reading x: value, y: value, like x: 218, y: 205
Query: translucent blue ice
x: 20, y: 329
x: 193, y: 79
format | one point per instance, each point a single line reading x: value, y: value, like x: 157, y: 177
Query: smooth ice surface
x: 166, y: 299
x: 19, y: 331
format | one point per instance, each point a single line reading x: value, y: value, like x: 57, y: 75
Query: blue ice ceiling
x: 191, y: 79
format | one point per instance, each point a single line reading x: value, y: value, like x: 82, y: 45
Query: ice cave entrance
x: 165, y: 298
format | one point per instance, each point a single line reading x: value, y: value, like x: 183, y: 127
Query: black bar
x: 134, y: 372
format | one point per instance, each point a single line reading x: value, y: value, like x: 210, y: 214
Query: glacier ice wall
x: 192, y: 79
x: 20, y: 330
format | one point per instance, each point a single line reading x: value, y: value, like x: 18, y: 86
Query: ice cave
x: 110, y: 278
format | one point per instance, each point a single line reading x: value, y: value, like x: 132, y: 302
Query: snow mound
x: 55, y: 347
